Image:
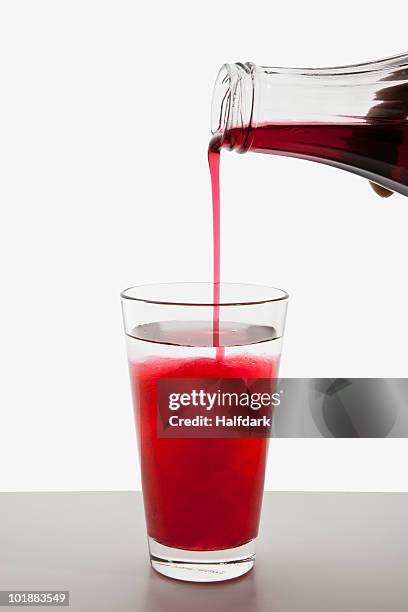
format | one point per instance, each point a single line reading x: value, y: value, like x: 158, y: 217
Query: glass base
x: 202, y: 566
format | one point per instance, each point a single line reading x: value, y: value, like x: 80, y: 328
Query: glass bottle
x: 352, y: 117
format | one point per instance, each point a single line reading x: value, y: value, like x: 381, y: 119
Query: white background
x: 104, y: 184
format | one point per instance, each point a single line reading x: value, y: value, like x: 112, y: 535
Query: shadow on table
x: 176, y: 596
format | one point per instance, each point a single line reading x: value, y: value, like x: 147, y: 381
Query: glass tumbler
x: 202, y: 493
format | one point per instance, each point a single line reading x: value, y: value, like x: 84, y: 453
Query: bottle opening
x: 233, y: 101
x: 221, y: 101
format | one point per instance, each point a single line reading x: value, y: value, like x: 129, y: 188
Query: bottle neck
x: 232, y: 112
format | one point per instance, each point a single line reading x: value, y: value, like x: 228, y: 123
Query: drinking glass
x: 202, y: 494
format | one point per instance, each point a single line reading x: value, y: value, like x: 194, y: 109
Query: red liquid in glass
x: 199, y: 494
x: 375, y: 149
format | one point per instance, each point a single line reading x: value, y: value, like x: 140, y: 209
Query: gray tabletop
x: 317, y: 552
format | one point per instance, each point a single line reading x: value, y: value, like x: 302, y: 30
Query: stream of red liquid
x: 214, y: 163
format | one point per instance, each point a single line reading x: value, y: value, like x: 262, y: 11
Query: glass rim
x: 135, y: 294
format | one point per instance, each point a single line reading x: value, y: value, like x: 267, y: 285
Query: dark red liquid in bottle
x: 374, y: 149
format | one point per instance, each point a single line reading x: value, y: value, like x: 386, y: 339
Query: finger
x: 381, y: 191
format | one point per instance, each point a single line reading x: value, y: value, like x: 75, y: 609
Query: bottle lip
x: 233, y: 99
